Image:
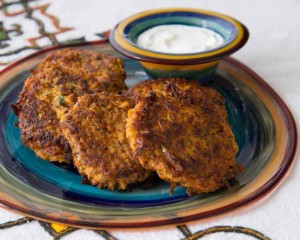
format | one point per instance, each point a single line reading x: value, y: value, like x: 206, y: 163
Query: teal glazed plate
x: 262, y: 124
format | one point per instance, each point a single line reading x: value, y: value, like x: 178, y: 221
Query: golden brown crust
x: 107, y: 69
x: 182, y: 133
x: 60, y: 79
x: 95, y: 130
x: 40, y: 131
x: 188, y: 91
x: 39, y: 125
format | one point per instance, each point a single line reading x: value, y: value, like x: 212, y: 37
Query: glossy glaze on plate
x: 263, y: 127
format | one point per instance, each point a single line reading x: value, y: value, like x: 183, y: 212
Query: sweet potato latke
x: 74, y: 108
x: 95, y: 130
x: 49, y: 93
x: 179, y: 129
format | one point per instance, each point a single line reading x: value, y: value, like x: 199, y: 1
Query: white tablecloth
x: 272, y: 51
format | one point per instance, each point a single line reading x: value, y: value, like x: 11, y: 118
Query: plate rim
x: 266, y: 189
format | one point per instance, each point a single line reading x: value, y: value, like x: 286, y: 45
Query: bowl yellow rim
x: 117, y: 35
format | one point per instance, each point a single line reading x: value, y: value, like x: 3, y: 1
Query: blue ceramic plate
x: 54, y: 192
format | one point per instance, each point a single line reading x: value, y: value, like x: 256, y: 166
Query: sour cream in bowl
x: 178, y: 38
x: 179, y: 42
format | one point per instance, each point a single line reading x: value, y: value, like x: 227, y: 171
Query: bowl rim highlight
x: 121, y: 43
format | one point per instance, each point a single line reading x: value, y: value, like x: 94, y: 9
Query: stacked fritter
x: 95, y: 130
x: 54, y: 88
x: 75, y: 109
x: 179, y: 129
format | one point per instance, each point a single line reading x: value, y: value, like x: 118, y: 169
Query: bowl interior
x: 226, y: 29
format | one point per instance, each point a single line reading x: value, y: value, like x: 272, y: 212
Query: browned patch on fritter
x: 95, y: 130
x: 40, y: 131
x: 180, y: 130
x: 105, y: 68
x: 60, y: 79
x: 184, y: 90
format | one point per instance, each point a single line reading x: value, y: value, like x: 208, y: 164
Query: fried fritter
x: 39, y: 124
x: 40, y: 131
x: 54, y: 89
x: 179, y: 129
x: 95, y: 130
x: 71, y: 73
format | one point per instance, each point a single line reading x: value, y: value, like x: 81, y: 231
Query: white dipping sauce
x: 179, y: 39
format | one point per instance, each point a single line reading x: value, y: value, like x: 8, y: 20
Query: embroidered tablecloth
x: 273, y: 52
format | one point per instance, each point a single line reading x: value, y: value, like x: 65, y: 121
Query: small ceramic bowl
x: 198, y: 65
